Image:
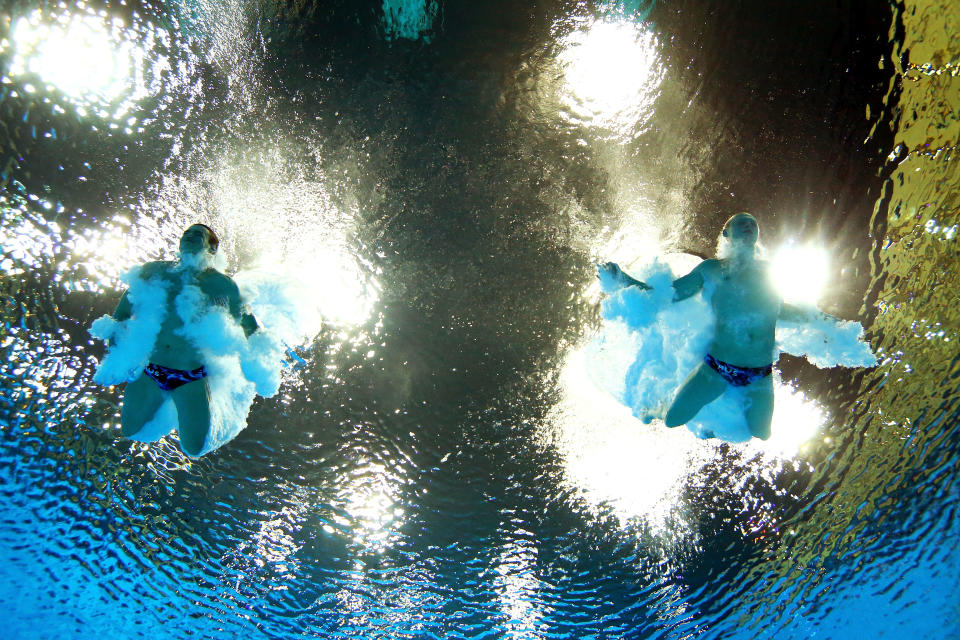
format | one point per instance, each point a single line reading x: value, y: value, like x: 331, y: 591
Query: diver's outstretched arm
x: 247, y: 321
x: 612, y: 277
x: 692, y: 283
x: 124, y: 308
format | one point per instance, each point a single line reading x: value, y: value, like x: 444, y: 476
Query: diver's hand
x: 612, y: 277
x: 609, y: 270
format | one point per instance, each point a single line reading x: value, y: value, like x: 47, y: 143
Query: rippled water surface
x: 446, y: 174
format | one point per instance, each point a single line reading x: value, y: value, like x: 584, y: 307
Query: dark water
x: 439, y: 467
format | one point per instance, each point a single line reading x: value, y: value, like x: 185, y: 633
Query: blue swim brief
x: 169, y: 379
x: 737, y: 376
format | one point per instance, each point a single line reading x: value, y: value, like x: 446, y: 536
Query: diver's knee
x: 131, y: 422
x: 192, y: 446
x: 192, y: 441
x: 673, y: 420
x: 128, y: 430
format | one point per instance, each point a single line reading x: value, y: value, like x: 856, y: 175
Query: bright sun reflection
x: 372, y: 514
x: 796, y: 420
x: 288, y: 224
x: 335, y: 285
x: 612, y: 459
x: 800, y: 273
x: 611, y: 73
x: 106, y: 252
x: 274, y: 543
x: 518, y: 588
x: 90, y: 58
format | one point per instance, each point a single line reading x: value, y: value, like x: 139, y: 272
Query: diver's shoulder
x: 215, y: 275
x: 219, y: 279
x: 155, y: 268
x: 709, y: 266
x: 765, y: 268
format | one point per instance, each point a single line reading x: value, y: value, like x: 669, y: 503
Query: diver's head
x: 739, y: 237
x: 198, y: 248
x: 199, y: 238
x: 741, y: 228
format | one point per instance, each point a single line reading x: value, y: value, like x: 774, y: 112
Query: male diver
x: 176, y: 369
x: 746, y: 306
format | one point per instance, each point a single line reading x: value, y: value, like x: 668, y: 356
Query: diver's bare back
x: 746, y: 307
x: 171, y: 348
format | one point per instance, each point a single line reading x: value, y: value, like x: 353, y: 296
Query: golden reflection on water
x: 896, y: 434
x: 915, y: 275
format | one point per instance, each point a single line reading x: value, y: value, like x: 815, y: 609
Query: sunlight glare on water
x: 93, y: 60
x: 22, y: 244
x: 274, y: 542
x: 369, y: 501
x: 517, y: 587
x: 611, y: 73
x: 331, y: 279
x: 288, y: 224
x: 800, y: 273
x: 341, y: 293
x: 608, y: 453
x: 105, y: 253
x: 796, y: 421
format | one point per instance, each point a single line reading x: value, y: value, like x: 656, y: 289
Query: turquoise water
x: 445, y: 175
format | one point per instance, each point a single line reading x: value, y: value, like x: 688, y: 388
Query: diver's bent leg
x: 702, y: 387
x: 141, y: 399
x: 760, y: 407
x: 193, y: 409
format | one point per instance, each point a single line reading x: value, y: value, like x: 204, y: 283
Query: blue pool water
x: 443, y: 178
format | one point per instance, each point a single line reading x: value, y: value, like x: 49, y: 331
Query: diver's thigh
x: 193, y: 409
x: 703, y: 386
x: 141, y: 399
x: 760, y: 407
